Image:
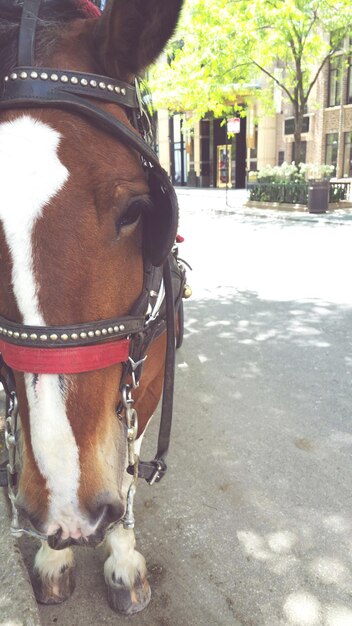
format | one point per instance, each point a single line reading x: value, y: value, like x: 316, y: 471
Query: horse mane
x: 53, y: 16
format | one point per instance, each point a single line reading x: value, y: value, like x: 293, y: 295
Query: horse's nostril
x: 107, y: 509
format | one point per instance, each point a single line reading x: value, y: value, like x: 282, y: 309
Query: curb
x: 216, y: 201
x: 18, y: 606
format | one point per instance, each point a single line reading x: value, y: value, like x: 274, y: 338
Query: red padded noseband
x: 64, y: 360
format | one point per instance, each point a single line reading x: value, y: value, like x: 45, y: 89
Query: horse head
x: 76, y: 218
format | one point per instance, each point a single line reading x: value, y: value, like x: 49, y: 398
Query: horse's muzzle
x: 108, y: 515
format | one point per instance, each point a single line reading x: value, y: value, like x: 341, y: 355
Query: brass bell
x: 187, y: 292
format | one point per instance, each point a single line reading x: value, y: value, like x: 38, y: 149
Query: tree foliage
x: 225, y: 51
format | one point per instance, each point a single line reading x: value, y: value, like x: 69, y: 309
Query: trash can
x: 318, y: 196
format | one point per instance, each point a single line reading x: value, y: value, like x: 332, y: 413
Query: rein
x: 95, y: 345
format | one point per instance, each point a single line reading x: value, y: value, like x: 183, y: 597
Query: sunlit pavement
x: 269, y: 333
x: 252, y: 526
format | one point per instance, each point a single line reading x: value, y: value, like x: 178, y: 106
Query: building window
x: 349, y: 82
x: 289, y: 125
x: 335, y: 75
x: 332, y: 144
x: 347, y: 155
x: 281, y: 157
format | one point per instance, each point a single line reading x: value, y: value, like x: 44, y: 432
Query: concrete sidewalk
x: 18, y: 606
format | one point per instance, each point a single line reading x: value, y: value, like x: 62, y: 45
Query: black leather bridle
x: 29, y: 86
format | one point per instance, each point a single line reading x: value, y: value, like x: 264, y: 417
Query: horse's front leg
x: 125, y: 572
x: 55, y: 574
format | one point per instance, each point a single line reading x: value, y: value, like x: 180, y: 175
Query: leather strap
x: 27, y: 32
x: 47, y: 80
x: 153, y: 471
x: 64, y: 360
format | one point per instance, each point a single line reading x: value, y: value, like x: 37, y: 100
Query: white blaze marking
x: 31, y: 175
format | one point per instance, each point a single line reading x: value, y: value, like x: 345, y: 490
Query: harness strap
x: 27, y: 32
x: 153, y: 471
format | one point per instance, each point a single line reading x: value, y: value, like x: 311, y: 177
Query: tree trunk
x: 298, y: 115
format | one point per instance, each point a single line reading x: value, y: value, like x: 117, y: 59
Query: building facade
x: 206, y: 156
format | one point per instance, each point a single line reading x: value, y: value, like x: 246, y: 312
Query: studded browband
x: 70, y: 335
x: 86, y: 84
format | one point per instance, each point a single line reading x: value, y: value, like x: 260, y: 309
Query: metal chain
x: 131, y: 418
x: 11, y: 444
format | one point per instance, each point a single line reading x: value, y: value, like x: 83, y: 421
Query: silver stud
x: 74, y: 80
x: 4, y: 332
x: 122, y: 328
x: 83, y: 335
x: 13, y: 76
x: 53, y: 337
x: 110, y: 330
x: 44, y: 76
x: 54, y: 78
x: 123, y: 91
x: 33, y: 336
x: 116, y: 329
x: 117, y: 89
x: 10, y: 333
x: 34, y: 74
x: 93, y: 83
x: 84, y: 82
x: 74, y: 336
x: 64, y: 337
x: 16, y: 335
x: 23, y: 75
x: 110, y: 87
x: 91, y: 333
x: 97, y: 333
x: 102, y: 85
x: 24, y: 336
x: 104, y: 331
x: 43, y: 337
x: 64, y: 78
x: 6, y: 79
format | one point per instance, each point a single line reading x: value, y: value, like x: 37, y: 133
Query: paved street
x: 252, y: 526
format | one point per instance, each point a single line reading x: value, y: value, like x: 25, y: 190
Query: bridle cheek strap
x: 64, y: 360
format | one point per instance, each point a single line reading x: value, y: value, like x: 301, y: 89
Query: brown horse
x: 72, y: 205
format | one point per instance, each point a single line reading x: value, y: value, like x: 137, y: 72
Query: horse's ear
x: 131, y: 34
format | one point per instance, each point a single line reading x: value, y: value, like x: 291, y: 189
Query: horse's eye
x: 132, y: 214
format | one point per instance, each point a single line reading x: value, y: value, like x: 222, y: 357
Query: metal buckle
x: 134, y: 366
x: 156, y: 476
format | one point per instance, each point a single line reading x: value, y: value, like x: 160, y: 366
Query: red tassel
x: 88, y: 8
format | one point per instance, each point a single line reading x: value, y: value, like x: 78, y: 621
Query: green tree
x: 223, y: 49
